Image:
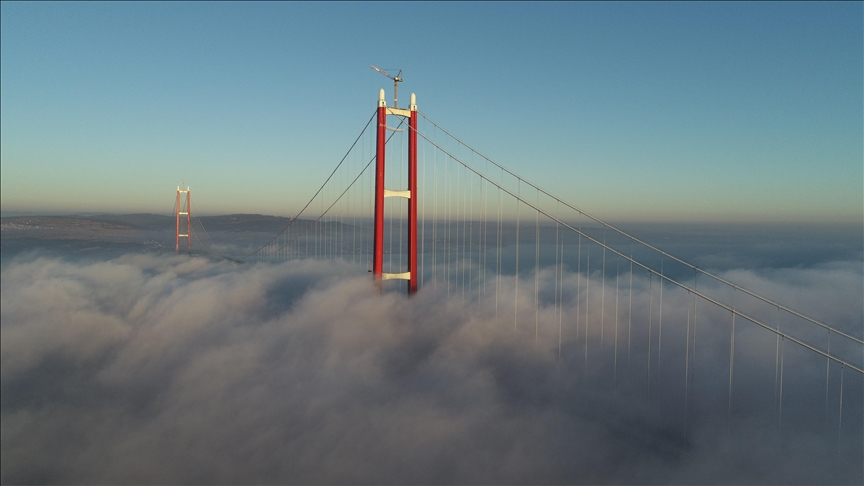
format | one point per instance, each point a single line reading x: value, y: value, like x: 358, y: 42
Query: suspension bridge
x: 421, y: 210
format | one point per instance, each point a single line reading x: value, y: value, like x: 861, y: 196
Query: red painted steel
x: 188, y: 218
x: 177, y: 234
x: 412, y: 202
x: 378, y: 240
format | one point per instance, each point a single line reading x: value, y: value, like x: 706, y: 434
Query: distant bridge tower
x: 183, y: 209
x: 411, y: 194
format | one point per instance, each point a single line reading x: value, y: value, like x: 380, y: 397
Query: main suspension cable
x: 661, y: 276
x: 320, y: 188
x: 645, y: 244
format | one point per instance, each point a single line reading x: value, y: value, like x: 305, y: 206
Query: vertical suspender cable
x: 560, y: 293
x: 693, y: 366
x: 840, y: 418
x: 423, y: 228
x: 630, y: 307
x: 459, y: 195
x: 780, y: 404
x: 660, y: 326
x: 615, y: 366
x: 686, y: 372
x: 559, y: 266
x: 603, y: 290
x: 731, y: 364
x: 777, y: 358
x: 485, y: 241
x: 827, y: 367
x: 537, y: 278
x: 470, y: 233
x: 587, y: 286
x: 500, y: 236
x: 464, y: 262
x: 435, y: 216
x: 447, y: 198
x: 516, y: 291
x: 650, y: 318
x: 578, y: 282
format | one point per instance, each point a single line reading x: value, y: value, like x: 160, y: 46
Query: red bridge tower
x: 411, y: 274
x: 180, y: 211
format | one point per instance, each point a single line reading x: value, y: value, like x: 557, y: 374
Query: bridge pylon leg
x: 177, y: 217
x: 413, y: 200
x: 188, y: 219
x: 378, y: 238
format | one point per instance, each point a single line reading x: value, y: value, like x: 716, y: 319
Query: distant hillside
x: 117, y: 234
x: 231, y: 222
x: 62, y: 223
x: 245, y: 222
x: 149, y: 222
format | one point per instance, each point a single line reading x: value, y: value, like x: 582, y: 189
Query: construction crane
x: 396, y: 80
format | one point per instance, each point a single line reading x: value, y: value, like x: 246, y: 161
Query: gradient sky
x: 639, y: 111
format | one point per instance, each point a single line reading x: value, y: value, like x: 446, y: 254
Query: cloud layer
x: 150, y: 369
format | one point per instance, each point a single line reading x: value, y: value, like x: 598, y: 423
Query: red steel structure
x: 378, y: 239
x: 187, y: 210
x: 381, y: 192
x: 413, y: 200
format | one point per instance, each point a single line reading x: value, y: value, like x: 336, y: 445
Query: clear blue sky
x: 651, y: 111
